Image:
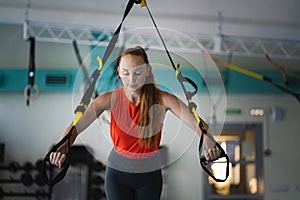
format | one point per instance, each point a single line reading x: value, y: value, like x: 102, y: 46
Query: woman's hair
x: 150, y: 114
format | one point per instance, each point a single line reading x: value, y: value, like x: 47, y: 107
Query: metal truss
x: 190, y: 43
x: 61, y: 33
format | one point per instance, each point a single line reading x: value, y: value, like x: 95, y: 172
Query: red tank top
x: 124, y: 129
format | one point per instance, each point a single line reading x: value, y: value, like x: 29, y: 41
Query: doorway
x: 244, y: 146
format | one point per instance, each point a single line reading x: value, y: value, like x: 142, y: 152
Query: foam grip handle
x: 205, y: 161
x: 51, y: 181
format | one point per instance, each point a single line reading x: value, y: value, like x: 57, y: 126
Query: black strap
x: 115, y: 37
x: 83, y: 104
x: 87, y: 96
x: 284, y: 89
x: 161, y: 38
x: 182, y: 79
x: 84, y: 69
x: 31, y: 68
x: 80, y: 62
x: 192, y: 106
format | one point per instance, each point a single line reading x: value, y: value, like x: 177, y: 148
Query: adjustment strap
x: 183, y: 79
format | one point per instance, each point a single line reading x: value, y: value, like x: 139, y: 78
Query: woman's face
x: 133, y: 72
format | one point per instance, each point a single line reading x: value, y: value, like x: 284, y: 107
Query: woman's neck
x: 133, y: 97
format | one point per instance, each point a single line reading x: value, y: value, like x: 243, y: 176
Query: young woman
x: 137, y: 113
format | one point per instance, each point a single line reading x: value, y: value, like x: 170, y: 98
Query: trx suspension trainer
x: 88, y: 94
x: 253, y: 75
x: 31, y: 74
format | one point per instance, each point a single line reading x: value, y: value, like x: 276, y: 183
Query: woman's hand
x: 57, y: 158
x: 212, y: 154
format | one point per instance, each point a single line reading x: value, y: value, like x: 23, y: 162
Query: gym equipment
x: 88, y: 94
x: 82, y: 66
x: 31, y: 74
x: 39, y: 179
x: 97, y: 193
x: 77, y: 183
x: 28, y: 166
x: 1, y: 193
x: 37, y: 194
x: 253, y: 75
x: 26, y: 179
x: 280, y: 68
x: 14, y: 167
x: 39, y: 165
x: 2, y: 148
x: 98, y: 166
x: 97, y: 180
x: 283, y: 71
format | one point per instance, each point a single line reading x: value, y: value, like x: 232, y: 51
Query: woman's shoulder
x: 105, y: 99
x: 165, y: 94
x: 168, y: 99
x: 110, y: 94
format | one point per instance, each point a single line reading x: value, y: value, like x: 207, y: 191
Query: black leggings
x: 120, y: 185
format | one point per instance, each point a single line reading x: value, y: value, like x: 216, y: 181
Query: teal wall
x: 15, y: 80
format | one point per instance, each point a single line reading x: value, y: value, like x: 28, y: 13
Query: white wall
x: 262, y: 18
x: 28, y: 132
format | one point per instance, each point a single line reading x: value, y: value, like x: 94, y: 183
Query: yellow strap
x: 239, y: 69
x: 143, y: 3
x: 77, y: 117
x: 196, y: 115
x: 79, y: 114
x: 177, y: 71
x: 242, y: 70
x: 100, y: 62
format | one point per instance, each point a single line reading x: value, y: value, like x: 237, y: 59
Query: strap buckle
x: 141, y: 2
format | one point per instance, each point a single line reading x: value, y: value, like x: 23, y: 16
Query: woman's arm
x: 181, y: 110
x: 93, y: 111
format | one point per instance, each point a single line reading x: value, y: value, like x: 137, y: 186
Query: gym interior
x: 243, y: 56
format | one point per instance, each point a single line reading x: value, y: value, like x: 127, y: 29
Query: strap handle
x: 46, y: 161
x: 204, y: 163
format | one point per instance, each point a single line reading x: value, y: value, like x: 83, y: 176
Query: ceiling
x: 271, y: 20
